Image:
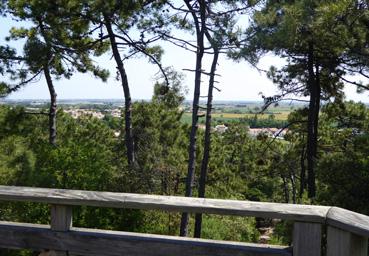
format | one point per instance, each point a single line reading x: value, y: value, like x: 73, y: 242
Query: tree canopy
x: 146, y: 147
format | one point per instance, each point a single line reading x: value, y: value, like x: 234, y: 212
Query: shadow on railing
x: 346, y: 232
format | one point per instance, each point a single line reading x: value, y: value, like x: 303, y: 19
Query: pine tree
x: 318, y: 41
x: 56, y: 45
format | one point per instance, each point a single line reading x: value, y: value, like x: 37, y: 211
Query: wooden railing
x: 317, y: 230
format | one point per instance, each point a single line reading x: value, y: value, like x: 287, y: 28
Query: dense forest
x: 323, y: 158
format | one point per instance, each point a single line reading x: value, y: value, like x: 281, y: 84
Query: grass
x: 233, y: 113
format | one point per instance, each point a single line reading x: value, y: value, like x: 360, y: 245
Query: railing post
x: 61, y: 220
x: 307, y: 239
x: 344, y: 243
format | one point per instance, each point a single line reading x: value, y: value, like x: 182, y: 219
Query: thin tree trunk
x: 50, y: 85
x: 293, y: 184
x: 303, y: 171
x: 314, y: 106
x: 207, y: 142
x: 316, y: 123
x: 200, y: 27
x: 127, y: 95
x: 53, y: 108
x: 286, y: 191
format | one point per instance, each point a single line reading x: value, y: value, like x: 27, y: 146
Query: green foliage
x: 229, y: 228
x: 82, y: 160
x: 6, y: 59
x: 112, y: 122
x: 160, y: 145
x: 172, y: 94
x: 54, y: 38
x: 282, y: 233
x: 344, y: 166
x: 89, y: 152
x: 16, y: 160
x: 90, y: 155
x: 263, y: 122
x: 288, y: 29
x: 240, y: 167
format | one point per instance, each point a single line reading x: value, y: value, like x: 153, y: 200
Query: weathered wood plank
x: 61, y: 217
x: 305, y: 213
x: 307, y: 239
x: 359, y: 245
x: 61, y: 220
x: 344, y: 243
x: 113, y: 243
x: 349, y: 221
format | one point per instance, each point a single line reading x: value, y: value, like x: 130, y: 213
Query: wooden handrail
x: 305, y: 213
x: 347, y: 231
x: 334, y: 216
x: 347, y: 220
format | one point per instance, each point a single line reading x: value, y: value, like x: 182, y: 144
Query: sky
x: 237, y: 81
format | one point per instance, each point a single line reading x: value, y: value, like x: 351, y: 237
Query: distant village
x: 278, y: 133
x: 220, y: 128
x: 77, y: 113
x: 101, y: 108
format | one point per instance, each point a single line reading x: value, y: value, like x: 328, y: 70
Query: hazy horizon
x: 117, y: 100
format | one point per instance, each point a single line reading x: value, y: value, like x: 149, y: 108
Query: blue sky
x: 238, y: 81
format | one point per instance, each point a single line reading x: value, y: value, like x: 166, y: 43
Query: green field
x: 232, y: 112
x: 231, y: 117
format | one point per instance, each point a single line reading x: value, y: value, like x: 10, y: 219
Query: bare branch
x: 279, y: 133
x: 353, y: 83
x: 24, y: 82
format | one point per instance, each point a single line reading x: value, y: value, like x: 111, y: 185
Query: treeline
x: 251, y: 122
x: 89, y: 156
x: 255, y: 122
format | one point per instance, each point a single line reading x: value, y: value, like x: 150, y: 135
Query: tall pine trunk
x: 207, y: 142
x: 200, y: 26
x: 53, y: 108
x: 313, y: 117
x: 127, y: 95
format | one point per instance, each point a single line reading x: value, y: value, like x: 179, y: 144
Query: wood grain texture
x: 305, y: 213
x: 307, y: 239
x: 99, y: 242
x: 61, y: 220
x: 344, y: 243
x: 349, y: 221
x: 61, y: 217
x: 359, y: 245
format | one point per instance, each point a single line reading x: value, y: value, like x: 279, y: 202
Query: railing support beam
x: 344, y: 243
x: 307, y: 239
x: 61, y: 220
